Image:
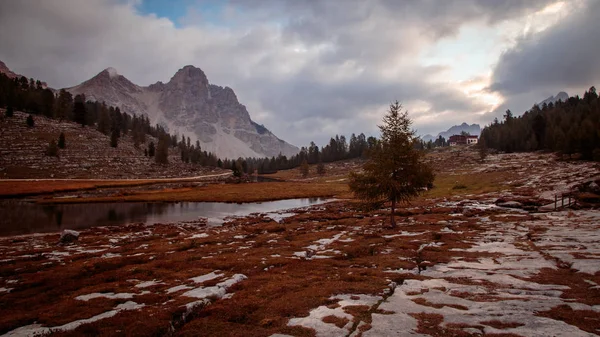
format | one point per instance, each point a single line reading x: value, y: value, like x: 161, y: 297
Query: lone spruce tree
x: 395, y: 170
x: 304, y: 169
x: 61, y: 140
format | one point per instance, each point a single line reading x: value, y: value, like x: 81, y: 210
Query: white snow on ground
x: 562, y: 240
x: 110, y: 255
x: 403, y: 233
x: 39, y: 330
x: 178, y: 288
x: 279, y: 217
x: 319, y: 247
x: 111, y: 296
x: 469, y: 312
x: 5, y: 290
x: 315, y: 318
x: 210, y: 276
x: 148, y: 284
x: 198, y: 236
x: 216, y: 291
x: 510, y: 299
x: 56, y: 255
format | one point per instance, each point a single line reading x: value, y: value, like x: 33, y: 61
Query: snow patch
x: 111, y: 296
x: 210, y: 276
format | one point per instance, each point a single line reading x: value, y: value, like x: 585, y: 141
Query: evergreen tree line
x: 29, y: 96
x: 571, y: 127
x: 338, y: 148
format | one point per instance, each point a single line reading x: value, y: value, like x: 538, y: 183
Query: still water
x: 24, y: 218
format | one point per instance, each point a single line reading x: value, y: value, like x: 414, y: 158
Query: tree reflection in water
x: 22, y: 217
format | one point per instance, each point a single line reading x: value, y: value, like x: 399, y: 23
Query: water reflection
x: 23, y: 218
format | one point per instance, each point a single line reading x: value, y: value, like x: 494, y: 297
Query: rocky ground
x: 88, y: 154
x: 469, y: 258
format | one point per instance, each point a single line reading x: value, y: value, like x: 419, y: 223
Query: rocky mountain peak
x: 189, y: 74
x: 224, y: 94
x: 189, y: 105
x: 4, y: 69
x: 561, y: 96
x: 112, y: 72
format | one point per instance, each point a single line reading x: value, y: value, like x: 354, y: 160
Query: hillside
x: 189, y: 105
x: 88, y: 153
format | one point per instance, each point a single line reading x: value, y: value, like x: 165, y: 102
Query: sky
x: 310, y: 69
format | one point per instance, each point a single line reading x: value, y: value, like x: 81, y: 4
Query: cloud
x: 560, y: 58
x: 306, y: 69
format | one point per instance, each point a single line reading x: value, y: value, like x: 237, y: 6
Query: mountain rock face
x: 473, y: 129
x: 189, y: 105
x: 561, y: 96
x: 4, y: 69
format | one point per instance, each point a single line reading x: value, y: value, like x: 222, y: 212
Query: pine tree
x: 395, y: 171
x: 30, y: 122
x: 236, y: 168
x: 61, y: 140
x: 321, y: 168
x: 304, y: 168
x: 162, y: 150
x: 9, y: 111
x: 151, y: 149
x: 114, y: 138
x: 483, y: 149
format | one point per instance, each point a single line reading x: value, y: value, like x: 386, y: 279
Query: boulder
x: 68, y: 236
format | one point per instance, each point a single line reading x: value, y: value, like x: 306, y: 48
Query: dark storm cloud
x: 561, y: 57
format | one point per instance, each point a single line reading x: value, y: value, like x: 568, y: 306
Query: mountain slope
x: 473, y: 129
x: 87, y: 155
x: 561, y: 96
x: 189, y: 105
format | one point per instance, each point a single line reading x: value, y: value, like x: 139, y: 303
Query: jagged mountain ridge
x: 473, y: 129
x: 561, y: 96
x: 4, y: 69
x: 189, y: 105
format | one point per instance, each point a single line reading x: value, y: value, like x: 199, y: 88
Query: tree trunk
x: 392, y: 213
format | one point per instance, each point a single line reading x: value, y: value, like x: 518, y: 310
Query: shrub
x: 9, y: 111
x: 321, y: 168
x: 114, y: 138
x: 52, y: 149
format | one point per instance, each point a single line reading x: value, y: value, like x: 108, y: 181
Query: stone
x: 68, y: 236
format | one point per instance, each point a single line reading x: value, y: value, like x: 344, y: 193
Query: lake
x: 18, y: 217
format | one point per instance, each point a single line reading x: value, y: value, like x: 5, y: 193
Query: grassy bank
x: 250, y: 192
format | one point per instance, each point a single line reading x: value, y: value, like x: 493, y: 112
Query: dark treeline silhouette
x: 338, y: 148
x: 571, y: 127
x: 21, y: 94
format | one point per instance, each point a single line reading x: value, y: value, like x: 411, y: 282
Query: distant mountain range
x: 473, y: 129
x: 189, y: 105
x: 561, y: 96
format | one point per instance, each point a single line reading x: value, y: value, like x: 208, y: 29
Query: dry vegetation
x: 457, y: 265
x: 245, y: 192
x: 87, y: 155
